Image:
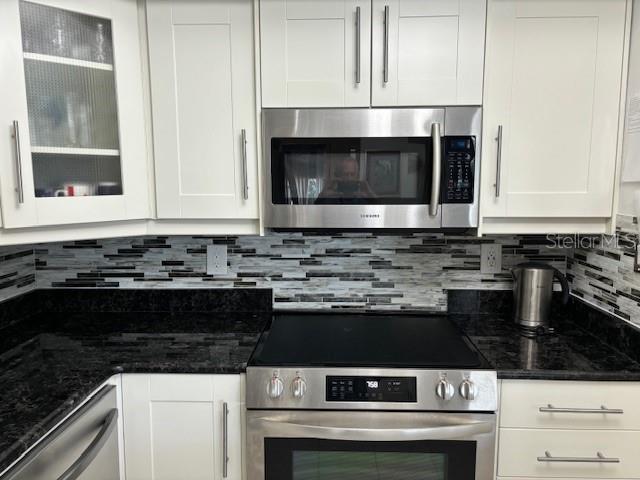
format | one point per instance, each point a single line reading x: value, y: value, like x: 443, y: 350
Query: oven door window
x: 315, y: 459
x: 351, y: 171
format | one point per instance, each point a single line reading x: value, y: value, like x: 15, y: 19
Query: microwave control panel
x: 459, y: 167
x: 371, y: 389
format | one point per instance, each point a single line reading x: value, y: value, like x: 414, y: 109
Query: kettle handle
x: 564, y: 283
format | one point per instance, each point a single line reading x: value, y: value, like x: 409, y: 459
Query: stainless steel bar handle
x: 599, y: 458
x: 385, y: 53
x: 436, y: 170
x: 370, y: 433
x: 87, y: 456
x: 16, y: 142
x: 551, y: 409
x: 225, y: 439
x: 358, y: 28
x: 245, y: 174
x: 498, y: 161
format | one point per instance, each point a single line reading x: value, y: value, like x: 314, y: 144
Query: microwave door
x: 360, y: 182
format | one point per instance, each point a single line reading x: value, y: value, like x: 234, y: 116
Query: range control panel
x: 459, y: 166
x: 371, y: 389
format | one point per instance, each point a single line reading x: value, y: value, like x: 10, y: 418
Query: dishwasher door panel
x: 83, y: 447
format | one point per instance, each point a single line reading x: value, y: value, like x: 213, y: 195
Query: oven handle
x: 436, y: 170
x: 330, y: 432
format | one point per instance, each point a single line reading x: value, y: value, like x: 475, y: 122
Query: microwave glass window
x: 310, y: 465
x: 375, y: 171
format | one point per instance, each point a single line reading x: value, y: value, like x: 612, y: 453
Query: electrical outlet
x: 490, y: 258
x: 216, y: 259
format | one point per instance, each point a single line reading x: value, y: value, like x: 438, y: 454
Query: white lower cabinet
x: 572, y: 453
x: 174, y: 426
x: 562, y: 430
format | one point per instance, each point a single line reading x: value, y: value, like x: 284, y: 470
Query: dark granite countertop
x: 587, y: 344
x: 569, y: 354
x: 50, y: 362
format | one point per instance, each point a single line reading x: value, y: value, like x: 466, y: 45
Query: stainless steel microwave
x: 363, y: 168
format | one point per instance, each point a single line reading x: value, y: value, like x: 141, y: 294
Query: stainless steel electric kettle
x: 532, y: 292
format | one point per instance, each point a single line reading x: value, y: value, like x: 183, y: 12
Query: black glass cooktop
x: 359, y: 340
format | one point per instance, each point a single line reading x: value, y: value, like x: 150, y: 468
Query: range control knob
x: 275, y: 387
x: 298, y: 387
x: 468, y: 390
x: 445, y: 390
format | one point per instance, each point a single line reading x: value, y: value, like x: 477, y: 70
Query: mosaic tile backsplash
x: 601, y: 271
x: 17, y: 271
x: 305, y: 271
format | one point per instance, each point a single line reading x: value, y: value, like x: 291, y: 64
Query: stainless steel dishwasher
x: 84, y: 446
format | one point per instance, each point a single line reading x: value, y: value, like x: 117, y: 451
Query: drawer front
x: 573, y: 405
x: 519, y: 450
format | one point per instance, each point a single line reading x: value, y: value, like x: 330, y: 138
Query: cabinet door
x: 72, y: 142
x: 552, y: 84
x: 204, y: 109
x: 430, y: 52
x: 315, y: 54
x: 173, y: 426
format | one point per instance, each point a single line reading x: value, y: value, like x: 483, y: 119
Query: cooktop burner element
x: 391, y: 341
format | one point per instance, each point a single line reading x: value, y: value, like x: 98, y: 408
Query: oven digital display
x: 371, y: 389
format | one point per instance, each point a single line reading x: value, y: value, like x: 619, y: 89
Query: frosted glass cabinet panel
x: 75, y: 117
x: 71, y: 106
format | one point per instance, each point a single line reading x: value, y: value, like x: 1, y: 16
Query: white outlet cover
x: 490, y: 258
x: 216, y: 259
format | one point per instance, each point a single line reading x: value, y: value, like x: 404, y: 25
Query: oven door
x: 353, y: 168
x: 331, y: 445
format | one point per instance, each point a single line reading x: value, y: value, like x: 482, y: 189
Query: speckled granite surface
x: 588, y: 344
x: 569, y: 354
x: 73, y: 340
x: 51, y: 361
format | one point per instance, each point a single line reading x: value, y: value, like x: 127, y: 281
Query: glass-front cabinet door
x: 73, y: 147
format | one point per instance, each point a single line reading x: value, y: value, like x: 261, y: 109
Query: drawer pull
x: 599, y: 458
x: 551, y: 409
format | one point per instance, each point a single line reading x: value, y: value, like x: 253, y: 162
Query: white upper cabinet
x: 315, y: 53
x: 553, y: 84
x: 427, y: 52
x: 322, y: 54
x: 204, y: 108
x: 72, y: 142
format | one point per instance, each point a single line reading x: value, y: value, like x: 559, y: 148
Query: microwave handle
x: 335, y: 432
x: 436, y: 170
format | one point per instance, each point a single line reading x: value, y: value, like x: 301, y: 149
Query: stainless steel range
x: 353, y: 396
